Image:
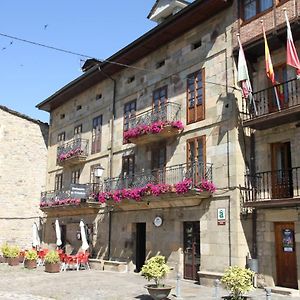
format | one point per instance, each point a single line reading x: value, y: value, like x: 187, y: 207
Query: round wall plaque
x: 157, y: 221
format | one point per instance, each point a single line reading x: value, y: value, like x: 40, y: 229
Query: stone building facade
x: 23, y: 166
x: 273, y: 186
x: 182, y: 72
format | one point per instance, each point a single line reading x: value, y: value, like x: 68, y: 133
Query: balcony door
x: 128, y: 163
x: 191, y: 243
x: 158, y: 163
x: 281, y: 175
x: 281, y: 90
x: 159, y: 104
x: 196, y: 158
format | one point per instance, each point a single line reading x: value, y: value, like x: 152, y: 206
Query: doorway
x: 286, y: 266
x: 282, y: 179
x: 191, y: 236
x: 63, y: 229
x: 140, y: 246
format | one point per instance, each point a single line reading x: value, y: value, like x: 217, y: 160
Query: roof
x: 156, y: 3
x: 186, y: 19
x: 13, y: 112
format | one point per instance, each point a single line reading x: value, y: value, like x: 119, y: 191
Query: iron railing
x: 169, y: 111
x: 265, y: 100
x: 74, y: 148
x: 169, y: 175
x: 273, y: 185
x: 74, y: 191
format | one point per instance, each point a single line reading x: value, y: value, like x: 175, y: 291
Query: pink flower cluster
x: 206, y: 185
x: 69, y: 201
x: 69, y: 154
x: 153, y: 128
x: 155, y: 190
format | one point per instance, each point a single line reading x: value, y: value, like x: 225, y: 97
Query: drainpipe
x: 253, y: 182
x: 112, y: 124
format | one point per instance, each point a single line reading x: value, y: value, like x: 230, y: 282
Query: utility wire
x: 99, y: 59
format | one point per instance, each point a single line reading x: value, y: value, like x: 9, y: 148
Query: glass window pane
x: 265, y: 4
x: 249, y: 9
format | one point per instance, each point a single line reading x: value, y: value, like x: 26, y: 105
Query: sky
x: 29, y: 74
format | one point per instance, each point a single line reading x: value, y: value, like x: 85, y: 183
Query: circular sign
x: 158, y: 221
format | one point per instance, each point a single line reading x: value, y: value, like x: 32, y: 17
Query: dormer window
x: 196, y: 45
x: 130, y: 79
x: 160, y: 64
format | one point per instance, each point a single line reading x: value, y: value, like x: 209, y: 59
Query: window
x: 160, y: 97
x: 61, y: 137
x: 95, y: 181
x: 158, y: 157
x: 128, y: 165
x: 96, y: 134
x: 78, y: 130
x: 130, y: 79
x: 129, y: 112
x: 196, y: 45
x: 252, y: 8
x: 196, y: 156
x: 62, y: 116
x: 75, y: 176
x: 196, y: 97
x: 160, y: 64
x: 98, y: 96
x: 79, y: 107
x: 58, y: 185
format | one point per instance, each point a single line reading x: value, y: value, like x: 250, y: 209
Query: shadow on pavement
x: 146, y: 297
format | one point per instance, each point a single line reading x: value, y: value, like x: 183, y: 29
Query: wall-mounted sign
x: 288, y: 240
x: 158, y: 221
x: 221, y: 216
x: 79, y: 191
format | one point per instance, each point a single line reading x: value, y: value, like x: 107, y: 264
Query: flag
x: 243, y: 76
x: 270, y: 69
x: 268, y: 60
x: 292, y: 58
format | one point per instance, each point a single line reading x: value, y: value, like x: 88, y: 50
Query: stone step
x: 284, y: 291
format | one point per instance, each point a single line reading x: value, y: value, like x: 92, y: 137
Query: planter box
x: 30, y: 264
x: 52, y: 268
x: 13, y: 261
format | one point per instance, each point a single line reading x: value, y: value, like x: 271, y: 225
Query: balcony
x: 270, y: 113
x: 154, y: 125
x: 179, y: 185
x: 273, y: 188
x: 76, y: 196
x: 73, y: 152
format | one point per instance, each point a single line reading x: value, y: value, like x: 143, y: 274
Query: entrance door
x: 282, y: 181
x: 63, y: 229
x: 191, y: 235
x: 140, y: 245
x: 286, y: 255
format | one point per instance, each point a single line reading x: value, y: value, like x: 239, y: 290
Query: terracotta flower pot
x: 30, y: 264
x: 158, y: 293
x: 52, y: 268
x: 13, y: 261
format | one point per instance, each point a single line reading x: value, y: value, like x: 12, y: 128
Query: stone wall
x: 23, y: 165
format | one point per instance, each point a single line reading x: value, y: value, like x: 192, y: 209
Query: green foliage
x: 12, y: 251
x: 52, y: 257
x: 238, y: 281
x: 155, y: 269
x: 31, y: 255
x: 5, y: 249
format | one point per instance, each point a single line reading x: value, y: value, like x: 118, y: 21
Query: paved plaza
x: 19, y: 283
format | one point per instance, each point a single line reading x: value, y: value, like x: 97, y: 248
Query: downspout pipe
x: 112, y: 124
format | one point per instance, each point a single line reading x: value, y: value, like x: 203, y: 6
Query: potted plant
x: 31, y: 257
x: 12, y: 255
x: 155, y: 269
x: 52, y: 262
x: 238, y: 281
x: 4, y: 250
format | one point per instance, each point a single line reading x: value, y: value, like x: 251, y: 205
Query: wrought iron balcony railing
x: 169, y: 111
x: 169, y: 175
x: 266, y: 101
x: 74, y: 194
x: 273, y: 185
x: 75, y: 148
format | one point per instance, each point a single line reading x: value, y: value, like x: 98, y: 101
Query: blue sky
x: 29, y: 74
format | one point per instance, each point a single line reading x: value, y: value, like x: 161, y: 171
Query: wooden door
x: 158, y: 163
x: 160, y: 97
x: 140, y: 246
x: 281, y: 175
x: 286, y: 265
x: 191, y: 246
x: 281, y: 90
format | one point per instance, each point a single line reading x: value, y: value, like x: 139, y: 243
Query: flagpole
x: 269, y: 65
x: 247, y: 80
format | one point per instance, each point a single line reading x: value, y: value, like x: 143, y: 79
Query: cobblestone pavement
x: 19, y: 283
